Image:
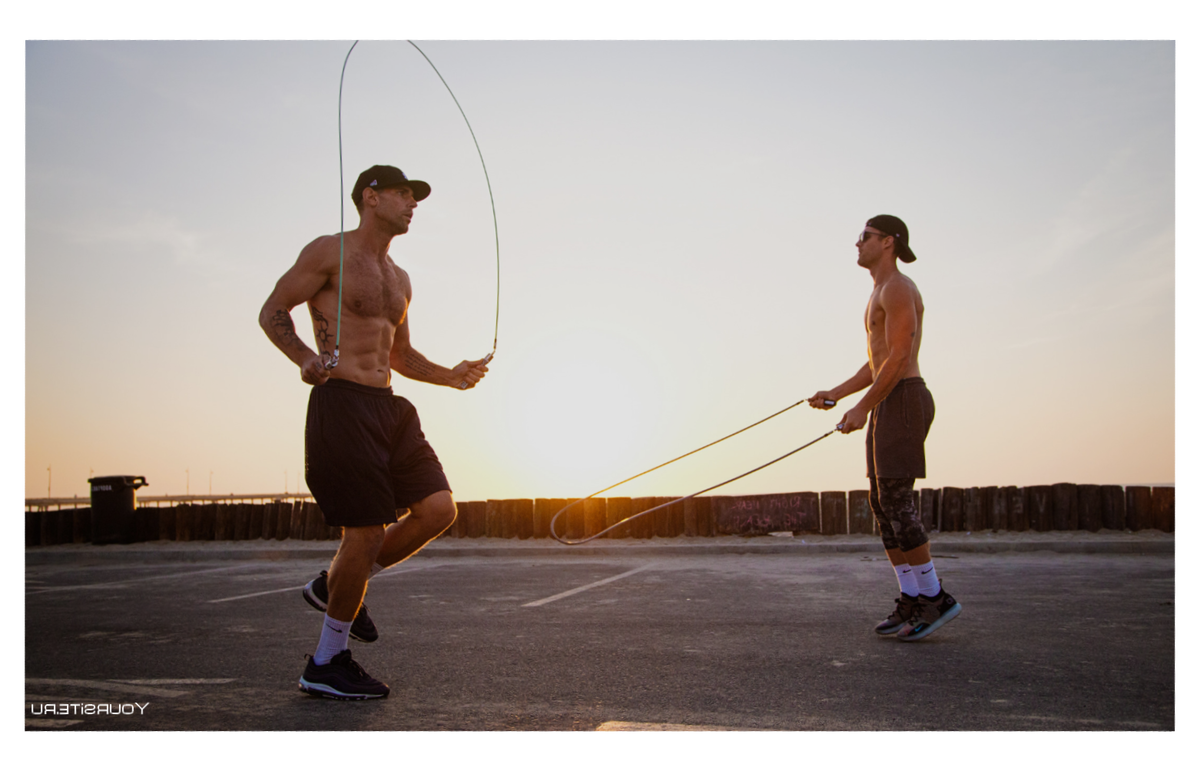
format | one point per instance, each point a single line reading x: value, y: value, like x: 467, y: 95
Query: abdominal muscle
x: 363, y: 355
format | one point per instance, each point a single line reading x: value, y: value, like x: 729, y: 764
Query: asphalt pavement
x: 744, y: 634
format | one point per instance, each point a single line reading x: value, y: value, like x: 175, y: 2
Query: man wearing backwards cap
x: 364, y: 453
x: 897, y: 411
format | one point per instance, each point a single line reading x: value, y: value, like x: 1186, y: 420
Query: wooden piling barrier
x: 1060, y: 507
x: 314, y: 528
x: 48, y: 523
x: 1066, y: 506
x: 615, y: 510
x: 508, y: 519
x: 706, y: 524
x: 493, y: 518
x: 952, y: 509
x: 33, y: 529
x: 595, y: 515
x: 995, y: 509
x: 521, y: 516
x: 1137, y: 508
x: 223, y: 521
x: 1018, y: 508
x: 1041, y: 507
x: 973, y: 510
x: 697, y: 518
x: 860, y: 512
x: 662, y: 517
x: 474, y: 514
x: 833, y: 513
x: 930, y: 500
x: 81, y: 526
x: 1162, y: 509
x: 544, y: 510
x: 1112, y: 507
x: 254, y: 522
x: 808, y: 512
x: 1090, y: 507
x: 643, y: 527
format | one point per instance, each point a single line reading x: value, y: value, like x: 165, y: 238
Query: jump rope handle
x: 463, y: 385
x: 832, y: 403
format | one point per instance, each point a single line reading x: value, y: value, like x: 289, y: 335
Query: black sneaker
x: 932, y: 613
x: 341, y: 678
x: 316, y: 592
x: 906, y: 606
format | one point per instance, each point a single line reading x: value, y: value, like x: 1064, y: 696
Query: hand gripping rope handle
x: 555, y: 536
x: 332, y: 361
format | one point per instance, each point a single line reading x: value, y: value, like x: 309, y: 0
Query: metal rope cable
x: 496, y: 226
x: 337, y: 343
x: 342, y: 201
x: 565, y: 542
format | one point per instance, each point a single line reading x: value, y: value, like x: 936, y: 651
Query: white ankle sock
x: 335, y: 638
x: 907, y: 579
x: 375, y: 569
x: 927, y: 580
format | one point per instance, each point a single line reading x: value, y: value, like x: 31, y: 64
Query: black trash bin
x: 114, y: 500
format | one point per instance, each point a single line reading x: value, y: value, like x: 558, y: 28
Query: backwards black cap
x: 894, y: 227
x: 385, y: 177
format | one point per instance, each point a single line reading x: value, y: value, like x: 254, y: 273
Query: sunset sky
x: 676, y: 223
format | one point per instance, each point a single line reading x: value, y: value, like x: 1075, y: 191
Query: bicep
x: 900, y: 321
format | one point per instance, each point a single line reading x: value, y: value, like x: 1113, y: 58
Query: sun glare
x: 571, y: 432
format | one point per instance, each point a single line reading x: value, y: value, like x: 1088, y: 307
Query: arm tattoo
x: 321, y: 330
x: 285, y: 329
x: 418, y: 364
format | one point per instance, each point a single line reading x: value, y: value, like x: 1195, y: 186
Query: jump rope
x: 332, y: 361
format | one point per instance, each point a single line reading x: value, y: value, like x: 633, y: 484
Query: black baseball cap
x: 386, y: 177
x: 894, y: 227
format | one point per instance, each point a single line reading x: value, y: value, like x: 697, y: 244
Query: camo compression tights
x: 892, y: 502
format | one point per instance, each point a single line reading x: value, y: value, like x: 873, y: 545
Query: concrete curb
x: 1110, y: 542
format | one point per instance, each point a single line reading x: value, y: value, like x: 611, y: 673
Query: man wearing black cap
x: 365, y: 455
x: 897, y: 411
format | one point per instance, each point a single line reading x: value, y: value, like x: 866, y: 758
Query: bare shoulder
x: 900, y: 289
x: 321, y: 254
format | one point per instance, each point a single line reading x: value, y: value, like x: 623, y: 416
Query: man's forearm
x: 861, y: 379
x: 281, y: 330
x: 414, y: 366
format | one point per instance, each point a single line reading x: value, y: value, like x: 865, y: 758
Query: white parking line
x: 384, y: 574
x: 260, y: 594
x: 143, y: 579
x: 102, y: 685
x: 577, y: 590
x: 621, y: 725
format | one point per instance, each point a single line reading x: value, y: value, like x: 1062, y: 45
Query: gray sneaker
x: 931, y: 614
x: 906, y: 606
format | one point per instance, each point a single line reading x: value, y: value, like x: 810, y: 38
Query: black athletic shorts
x: 897, y: 429
x: 364, y: 454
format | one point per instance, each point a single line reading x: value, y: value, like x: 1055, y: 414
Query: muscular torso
x: 375, y: 297
x: 878, y: 348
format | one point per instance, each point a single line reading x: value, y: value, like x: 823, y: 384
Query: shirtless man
x: 897, y: 411
x: 364, y: 453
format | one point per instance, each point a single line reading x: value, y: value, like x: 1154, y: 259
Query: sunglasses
x: 866, y: 234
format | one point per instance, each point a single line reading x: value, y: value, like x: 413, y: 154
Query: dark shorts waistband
x: 351, y: 385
